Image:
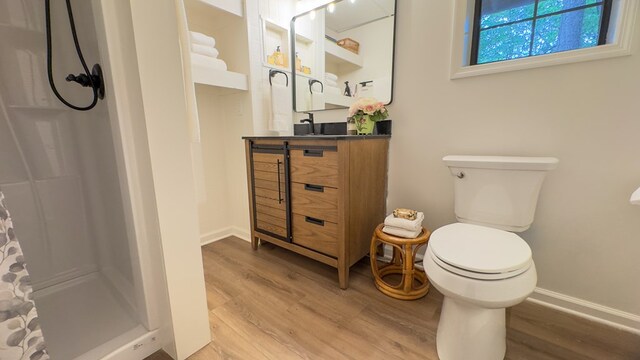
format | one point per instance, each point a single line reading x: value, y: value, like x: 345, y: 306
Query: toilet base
x: 466, y: 331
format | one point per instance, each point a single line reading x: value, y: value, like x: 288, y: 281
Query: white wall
x: 163, y: 98
x: 586, y: 236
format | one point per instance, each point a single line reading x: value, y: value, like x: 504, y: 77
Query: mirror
x: 343, y: 51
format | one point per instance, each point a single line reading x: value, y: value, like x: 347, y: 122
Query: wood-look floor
x: 274, y: 304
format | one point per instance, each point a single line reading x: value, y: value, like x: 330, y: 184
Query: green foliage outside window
x: 526, y: 31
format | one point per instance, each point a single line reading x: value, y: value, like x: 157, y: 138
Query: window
x: 511, y: 29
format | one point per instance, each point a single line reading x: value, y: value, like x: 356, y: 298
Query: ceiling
x: 348, y: 15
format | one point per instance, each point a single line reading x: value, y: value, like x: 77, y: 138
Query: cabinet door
x: 270, y: 191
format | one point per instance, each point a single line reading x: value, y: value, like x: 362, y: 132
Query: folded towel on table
x: 409, y: 234
x: 411, y: 225
x: 205, y: 50
x: 334, y: 90
x: 281, y: 106
x: 208, y: 61
x: 202, y: 39
x: 331, y: 76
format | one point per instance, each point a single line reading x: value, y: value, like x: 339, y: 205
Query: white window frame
x: 623, y: 16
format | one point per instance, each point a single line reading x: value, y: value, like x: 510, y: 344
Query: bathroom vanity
x: 319, y: 196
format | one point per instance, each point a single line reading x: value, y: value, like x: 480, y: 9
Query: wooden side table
x: 414, y: 283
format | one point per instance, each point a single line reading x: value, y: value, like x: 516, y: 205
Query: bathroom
x: 134, y: 217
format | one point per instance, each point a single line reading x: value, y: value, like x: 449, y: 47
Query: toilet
x: 479, y: 264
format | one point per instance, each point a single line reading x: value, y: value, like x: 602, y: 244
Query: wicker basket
x: 350, y: 45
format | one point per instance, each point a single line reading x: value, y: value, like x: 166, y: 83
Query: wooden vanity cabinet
x: 321, y: 198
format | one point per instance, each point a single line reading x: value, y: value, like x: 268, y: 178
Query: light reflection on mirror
x: 343, y: 51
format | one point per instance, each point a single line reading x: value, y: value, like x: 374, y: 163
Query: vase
x: 365, y: 125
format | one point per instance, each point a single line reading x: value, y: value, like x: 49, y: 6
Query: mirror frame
x: 292, y: 41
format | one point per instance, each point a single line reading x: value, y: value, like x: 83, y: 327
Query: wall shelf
x: 207, y: 75
x: 340, y: 56
x: 231, y: 6
x: 339, y: 100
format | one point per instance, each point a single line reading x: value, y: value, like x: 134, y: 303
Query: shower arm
x: 93, y: 79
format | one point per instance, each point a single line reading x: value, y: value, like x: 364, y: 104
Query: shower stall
x: 63, y: 175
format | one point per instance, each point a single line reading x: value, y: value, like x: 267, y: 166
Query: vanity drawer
x: 315, y: 200
x: 315, y: 234
x: 314, y: 166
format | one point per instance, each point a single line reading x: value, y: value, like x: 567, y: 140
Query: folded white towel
x: 330, y: 82
x: 411, y: 225
x: 331, y: 76
x: 208, y: 61
x: 332, y: 90
x: 205, y: 50
x: 281, y: 106
x: 392, y: 230
x: 201, y: 39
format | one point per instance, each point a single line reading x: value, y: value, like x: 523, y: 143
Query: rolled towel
x: 409, y: 234
x: 201, y: 39
x: 331, y: 76
x: 411, y: 225
x: 205, y: 50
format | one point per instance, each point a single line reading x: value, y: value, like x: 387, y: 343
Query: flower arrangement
x: 366, y: 112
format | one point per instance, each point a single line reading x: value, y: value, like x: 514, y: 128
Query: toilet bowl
x: 479, y: 264
x: 477, y: 290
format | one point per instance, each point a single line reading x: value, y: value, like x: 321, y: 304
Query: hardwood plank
x: 278, y: 213
x: 282, y: 305
x: 268, y: 167
x: 227, y: 343
x: 269, y: 194
x: 264, y: 217
x: 268, y: 158
x: 272, y: 203
x: 278, y: 230
x: 271, y: 185
x: 269, y: 176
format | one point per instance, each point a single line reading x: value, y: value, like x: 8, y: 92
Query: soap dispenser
x: 279, y: 57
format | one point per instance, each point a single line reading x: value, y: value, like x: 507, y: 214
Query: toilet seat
x: 479, y: 252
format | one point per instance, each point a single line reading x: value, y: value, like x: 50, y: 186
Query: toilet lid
x: 480, y: 250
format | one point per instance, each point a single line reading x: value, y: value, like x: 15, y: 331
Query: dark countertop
x: 317, y: 137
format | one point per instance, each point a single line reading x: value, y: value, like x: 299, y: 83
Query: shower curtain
x: 20, y: 334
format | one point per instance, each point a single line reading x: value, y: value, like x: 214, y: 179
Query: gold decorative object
x: 405, y: 213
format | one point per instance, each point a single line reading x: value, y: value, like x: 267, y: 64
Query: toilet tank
x: 498, y: 191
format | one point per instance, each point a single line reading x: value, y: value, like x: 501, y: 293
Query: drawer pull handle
x: 314, y: 221
x: 314, y: 153
x: 279, y: 189
x: 317, y: 188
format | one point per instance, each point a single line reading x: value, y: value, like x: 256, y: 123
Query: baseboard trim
x: 588, y: 310
x: 223, y: 233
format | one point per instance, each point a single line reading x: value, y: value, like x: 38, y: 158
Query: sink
x: 337, y: 129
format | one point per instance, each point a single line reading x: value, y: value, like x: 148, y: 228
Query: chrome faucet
x: 311, y: 123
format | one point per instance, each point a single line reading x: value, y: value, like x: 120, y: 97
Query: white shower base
x: 82, y: 314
